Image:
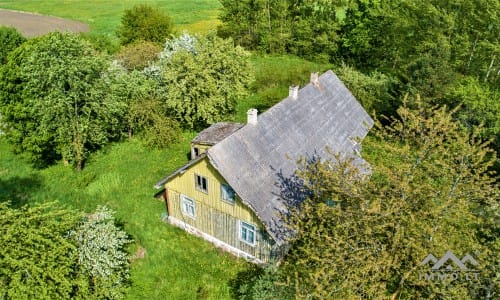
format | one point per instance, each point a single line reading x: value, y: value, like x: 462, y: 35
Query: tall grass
x: 103, y: 17
x: 176, y: 265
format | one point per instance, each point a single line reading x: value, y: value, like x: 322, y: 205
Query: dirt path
x: 31, y: 25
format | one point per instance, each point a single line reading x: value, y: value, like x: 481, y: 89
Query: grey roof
x: 216, y: 133
x: 324, y: 115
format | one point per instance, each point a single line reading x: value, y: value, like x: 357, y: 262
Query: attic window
x: 227, y: 193
x: 201, y: 183
x: 196, y: 152
x: 247, y: 233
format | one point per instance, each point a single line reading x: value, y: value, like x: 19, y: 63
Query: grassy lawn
x: 176, y: 265
x: 104, y: 16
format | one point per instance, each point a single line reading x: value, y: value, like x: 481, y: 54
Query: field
x: 103, y: 17
x: 31, y: 25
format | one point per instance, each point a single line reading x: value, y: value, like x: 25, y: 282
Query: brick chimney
x: 252, y: 116
x: 293, y: 91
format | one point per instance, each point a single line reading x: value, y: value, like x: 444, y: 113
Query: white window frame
x: 199, y: 187
x: 248, y: 228
x: 188, y: 206
x: 224, y: 193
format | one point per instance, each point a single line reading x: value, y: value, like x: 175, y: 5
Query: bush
x: 10, y: 39
x: 139, y: 55
x: 144, y: 23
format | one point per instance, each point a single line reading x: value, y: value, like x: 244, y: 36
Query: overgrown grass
x: 273, y: 76
x: 176, y: 265
x: 103, y: 17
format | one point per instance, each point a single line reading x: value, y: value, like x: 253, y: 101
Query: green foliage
x: 138, y: 56
x: 54, y: 99
x: 144, y: 23
x: 10, y: 39
x: 374, y: 91
x: 203, y: 85
x: 429, y: 192
x: 37, y: 261
x: 101, y: 42
x: 104, y: 16
x: 101, y: 253
x: 479, y: 105
x: 174, y: 263
x: 304, y: 28
x: 264, y: 284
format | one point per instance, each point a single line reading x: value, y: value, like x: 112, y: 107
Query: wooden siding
x: 214, y: 216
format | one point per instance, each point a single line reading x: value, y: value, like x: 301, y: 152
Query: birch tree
x: 430, y: 191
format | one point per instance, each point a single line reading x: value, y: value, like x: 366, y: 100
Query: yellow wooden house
x: 228, y: 193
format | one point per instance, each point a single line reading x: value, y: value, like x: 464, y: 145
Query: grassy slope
x: 176, y: 265
x: 191, y: 15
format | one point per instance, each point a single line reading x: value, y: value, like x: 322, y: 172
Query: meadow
x: 121, y: 176
x: 103, y: 17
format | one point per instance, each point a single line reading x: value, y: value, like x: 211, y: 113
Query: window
x: 247, y: 233
x: 227, y: 193
x: 196, y: 152
x: 201, y: 183
x: 188, y: 206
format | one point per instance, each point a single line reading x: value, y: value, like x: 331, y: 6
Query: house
x: 227, y: 192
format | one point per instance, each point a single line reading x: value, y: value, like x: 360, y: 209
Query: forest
x: 75, y: 110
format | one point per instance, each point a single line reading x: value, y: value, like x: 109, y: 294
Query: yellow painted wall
x: 215, y: 216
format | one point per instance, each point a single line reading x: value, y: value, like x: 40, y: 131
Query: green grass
x: 176, y: 265
x: 103, y: 17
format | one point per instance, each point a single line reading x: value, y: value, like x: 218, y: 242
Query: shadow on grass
x: 244, y: 280
x: 18, y: 190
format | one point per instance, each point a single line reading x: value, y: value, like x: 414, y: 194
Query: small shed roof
x: 216, y: 133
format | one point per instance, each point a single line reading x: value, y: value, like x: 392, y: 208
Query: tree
x: 53, y: 253
x: 139, y: 55
x: 54, y: 99
x: 374, y: 91
x: 10, y: 39
x: 305, y: 28
x: 100, y: 247
x: 203, y: 79
x: 37, y: 261
x: 479, y: 104
x: 365, y: 236
x: 144, y: 23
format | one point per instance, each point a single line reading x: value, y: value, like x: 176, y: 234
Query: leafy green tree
x: 139, y: 55
x: 365, y: 236
x: 100, y: 247
x: 304, y: 28
x: 54, y: 99
x: 10, y: 39
x: 204, y: 82
x: 374, y: 91
x: 479, y: 104
x: 144, y: 23
x: 37, y: 261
